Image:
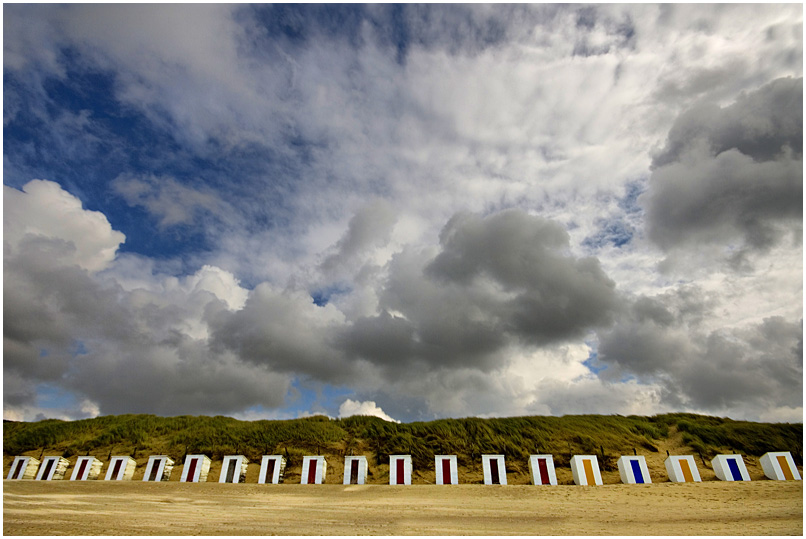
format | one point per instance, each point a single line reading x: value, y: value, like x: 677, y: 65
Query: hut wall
x: 494, y: 468
x: 125, y: 468
x: 355, y: 470
x: 400, y: 469
x: 195, y: 469
x: 682, y: 469
x: 447, y: 470
x: 585, y: 469
x: 23, y: 468
x: 52, y: 468
x: 730, y: 468
x: 86, y: 468
x: 542, y: 470
x: 233, y: 469
x: 779, y: 466
x: 314, y: 470
x: 633, y: 470
x: 274, y: 464
x: 159, y: 468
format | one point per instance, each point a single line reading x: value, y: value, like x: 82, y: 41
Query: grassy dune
x: 608, y: 437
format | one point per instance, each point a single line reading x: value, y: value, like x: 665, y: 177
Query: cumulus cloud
x: 370, y: 227
x: 435, y: 208
x: 44, y: 212
x: 732, y: 174
x: 350, y: 408
x: 65, y: 324
x: 663, y: 341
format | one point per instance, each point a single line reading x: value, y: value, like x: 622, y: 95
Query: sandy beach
x: 170, y: 508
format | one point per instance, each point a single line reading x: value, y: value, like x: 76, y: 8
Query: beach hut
x: 447, y: 470
x: 730, y: 468
x: 355, y: 470
x: 495, y: 472
x: 195, y: 469
x: 633, y: 470
x: 542, y: 469
x: 233, y: 469
x: 780, y: 466
x: 23, y: 468
x: 272, y: 468
x: 159, y: 468
x: 52, y: 468
x: 682, y: 469
x: 400, y: 469
x: 585, y: 469
x: 313, y: 470
x: 120, y: 468
x: 86, y: 468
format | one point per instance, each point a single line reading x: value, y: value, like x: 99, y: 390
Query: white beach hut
x: 52, y: 468
x: 23, y: 468
x: 272, y: 468
x: 730, y: 468
x: 314, y: 470
x: 86, y: 468
x: 633, y: 470
x: 447, y: 470
x: 682, y: 469
x: 585, y: 469
x: 233, y: 469
x: 494, y: 469
x: 159, y: 468
x: 780, y: 466
x: 400, y: 469
x: 195, y: 469
x: 355, y: 470
x: 542, y: 469
x: 120, y: 468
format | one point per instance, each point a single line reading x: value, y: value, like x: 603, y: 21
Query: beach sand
x: 171, y: 508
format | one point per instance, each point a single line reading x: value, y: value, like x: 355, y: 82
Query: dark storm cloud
x: 496, y: 281
x: 284, y: 330
x: 660, y: 341
x: 733, y: 173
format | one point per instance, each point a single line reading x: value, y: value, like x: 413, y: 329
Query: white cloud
x: 44, y: 210
x: 350, y: 408
x: 332, y: 163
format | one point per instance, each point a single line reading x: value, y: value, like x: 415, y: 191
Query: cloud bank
x: 403, y: 211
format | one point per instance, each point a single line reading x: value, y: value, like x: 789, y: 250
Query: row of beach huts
x: 585, y: 469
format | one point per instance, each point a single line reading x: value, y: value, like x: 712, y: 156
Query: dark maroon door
x: 48, y: 466
x: 81, y: 469
x: 446, y: 472
x: 116, y: 469
x: 401, y: 471
x: 191, y: 470
x: 495, y: 480
x: 312, y: 471
x: 544, y: 471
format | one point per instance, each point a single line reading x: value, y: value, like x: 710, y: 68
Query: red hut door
x: 544, y: 471
x: 312, y: 471
x: 401, y: 472
x: 446, y: 472
x: 191, y: 470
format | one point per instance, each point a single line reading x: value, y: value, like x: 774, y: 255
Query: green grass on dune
x: 468, y: 438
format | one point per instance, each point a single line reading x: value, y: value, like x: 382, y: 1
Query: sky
x: 409, y: 211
